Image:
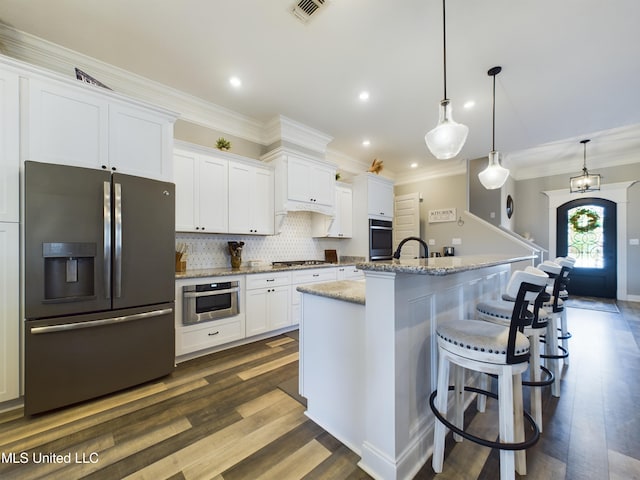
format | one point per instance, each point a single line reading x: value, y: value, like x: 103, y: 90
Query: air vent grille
x: 305, y: 9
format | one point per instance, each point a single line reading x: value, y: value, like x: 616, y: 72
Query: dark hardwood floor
x: 228, y: 416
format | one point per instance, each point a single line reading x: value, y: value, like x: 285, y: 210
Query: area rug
x: 593, y: 303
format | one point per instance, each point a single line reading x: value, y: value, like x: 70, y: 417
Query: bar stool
x: 492, y: 349
x: 555, y: 308
x: 563, y: 294
x: 499, y: 312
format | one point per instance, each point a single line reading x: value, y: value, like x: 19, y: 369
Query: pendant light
x: 446, y: 140
x: 586, y: 182
x: 495, y: 174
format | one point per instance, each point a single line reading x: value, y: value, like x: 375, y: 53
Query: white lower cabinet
x: 349, y: 273
x: 267, y: 301
x: 305, y: 277
x: 9, y: 312
x: 206, y: 335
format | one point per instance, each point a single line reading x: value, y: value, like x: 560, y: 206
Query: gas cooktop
x: 291, y: 263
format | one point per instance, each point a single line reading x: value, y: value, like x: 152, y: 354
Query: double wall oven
x: 380, y: 240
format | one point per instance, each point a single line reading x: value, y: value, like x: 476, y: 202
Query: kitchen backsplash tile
x: 293, y: 243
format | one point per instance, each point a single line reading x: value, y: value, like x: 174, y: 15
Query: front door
x: 586, y: 230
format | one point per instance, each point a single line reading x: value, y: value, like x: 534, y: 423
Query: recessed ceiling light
x: 364, y: 96
x: 235, y: 82
x: 366, y: 143
x: 414, y: 165
x: 469, y: 104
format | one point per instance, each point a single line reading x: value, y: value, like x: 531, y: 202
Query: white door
x: 406, y: 223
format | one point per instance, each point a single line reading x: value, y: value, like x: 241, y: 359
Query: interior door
x: 144, y: 241
x: 587, y: 231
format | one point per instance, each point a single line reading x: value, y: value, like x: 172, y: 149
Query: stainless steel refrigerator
x: 99, y: 283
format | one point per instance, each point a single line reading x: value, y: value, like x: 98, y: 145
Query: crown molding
x: 42, y: 53
x: 281, y: 128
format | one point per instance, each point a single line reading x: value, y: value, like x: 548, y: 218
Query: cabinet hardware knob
x: 104, y: 167
x: 113, y: 169
x: 212, y: 334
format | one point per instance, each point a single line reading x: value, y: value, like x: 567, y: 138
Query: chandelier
x: 587, y: 182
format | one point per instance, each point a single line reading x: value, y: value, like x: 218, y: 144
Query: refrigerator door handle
x: 98, y: 323
x: 106, y: 216
x: 117, y: 274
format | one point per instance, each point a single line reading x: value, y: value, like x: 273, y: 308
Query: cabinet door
x: 242, y: 198
x: 139, y: 142
x: 67, y: 126
x: 323, y: 183
x: 184, y: 175
x: 346, y: 212
x: 213, y: 199
x: 380, y: 198
x: 279, y: 302
x: 263, y: 210
x: 257, y: 311
x: 299, y: 180
x: 9, y: 156
x: 9, y: 314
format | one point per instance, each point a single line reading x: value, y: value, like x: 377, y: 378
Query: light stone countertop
x: 346, y: 290
x: 246, y: 269
x: 441, y: 265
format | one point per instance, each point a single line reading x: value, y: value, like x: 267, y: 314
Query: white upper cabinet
x: 380, y: 198
x: 140, y: 142
x: 74, y: 125
x: 201, y: 192
x: 310, y: 182
x: 302, y: 184
x: 218, y: 192
x: 9, y: 154
x: 250, y: 199
x: 67, y: 126
x: 340, y: 226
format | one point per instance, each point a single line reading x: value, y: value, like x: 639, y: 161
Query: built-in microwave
x: 380, y: 240
x: 210, y: 301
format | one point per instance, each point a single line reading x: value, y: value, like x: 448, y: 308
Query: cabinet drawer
x: 210, y: 335
x: 314, y: 275
x: 265, y: 280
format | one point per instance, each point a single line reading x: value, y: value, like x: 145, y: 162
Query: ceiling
x: 571, y: 68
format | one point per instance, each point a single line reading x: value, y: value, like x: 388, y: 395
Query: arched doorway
x: 587, y: 230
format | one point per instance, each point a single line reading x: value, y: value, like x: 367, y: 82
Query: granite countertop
x: 246, y: 269
x: 441, y: 265
x: 346, y: 290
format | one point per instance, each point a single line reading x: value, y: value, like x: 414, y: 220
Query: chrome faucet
x: 419, y: 240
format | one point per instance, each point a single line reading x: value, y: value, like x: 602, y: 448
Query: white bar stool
x: 554, y: 306
x: 563, y: 294
x: 500, y: 312
x: 496, y: 350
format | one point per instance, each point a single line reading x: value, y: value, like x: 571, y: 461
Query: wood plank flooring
x: 226, y: 416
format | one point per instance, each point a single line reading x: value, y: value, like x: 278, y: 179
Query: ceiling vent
x: 304, y: 10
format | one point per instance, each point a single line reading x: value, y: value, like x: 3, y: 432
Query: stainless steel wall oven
x: 380, y: 240
x: 210, y: 301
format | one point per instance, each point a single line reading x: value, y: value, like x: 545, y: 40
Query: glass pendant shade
x: 447, y: 139
x: 494, y: 175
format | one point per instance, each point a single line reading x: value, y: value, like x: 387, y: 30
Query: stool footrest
x: 564, y: 354
x: 541, y: 383
x: 483, y: 441
x: 566, y: 336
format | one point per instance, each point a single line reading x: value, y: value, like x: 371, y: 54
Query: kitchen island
x: 369, y: 363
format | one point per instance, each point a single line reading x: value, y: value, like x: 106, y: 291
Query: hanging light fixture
x: 446, y: 140
x: 495, y: 174
x: 587, y: 182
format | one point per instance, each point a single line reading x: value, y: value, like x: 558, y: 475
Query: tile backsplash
x: 293, y: 243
